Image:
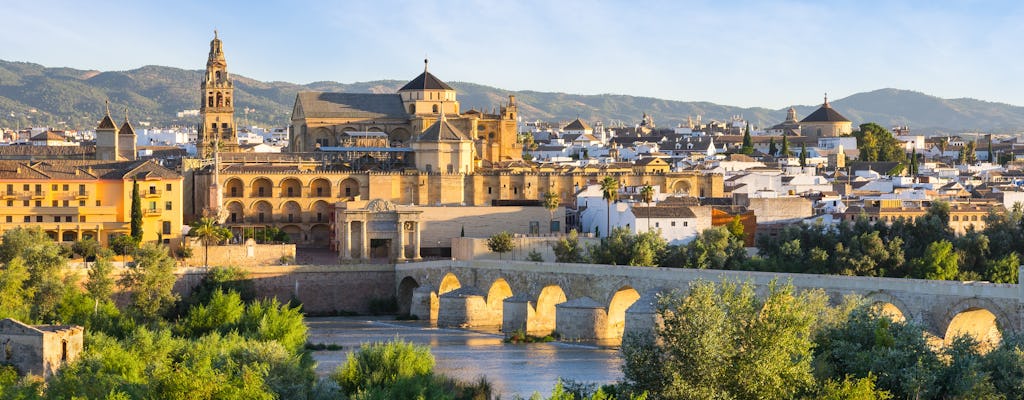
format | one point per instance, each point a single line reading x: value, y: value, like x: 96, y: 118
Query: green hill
x: 34, y: 95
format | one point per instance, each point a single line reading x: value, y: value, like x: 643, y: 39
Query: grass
x: 519, y: 336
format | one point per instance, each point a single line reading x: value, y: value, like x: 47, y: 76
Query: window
x: 291, y: 217
x: 319, y: 217
x: 657, y: 224
x: 166, y: 227
x: 67, y: 218
x: 97, y: 203
x: 348, y: 192
x: 53, y: 187
x: 25, y: 187
x: 81, y: 189
x: 39, y: 203
x: 65, y: 188
x: 81, y: 218
x: 259, y: 218
x: 435, y: 108
x: 10, y: 219
x: 24, y: 203
x: 152, y: 206
x: 167, y: 241
x: 673, y: 223
x: 65, y: 203
x: 152, y: 189
x: 81, y: 203
x: 956, y: 217
x: 168, y: 205
x: 686, y: 223
x: 10, y: 203
x: 39, y: 218
x: 259, y: 192
x: 488, y: 190
x: 56, y: 218
x: 167, y: 187
x: 28, y: 218
x: 54, y: 203
x: 234, y: 217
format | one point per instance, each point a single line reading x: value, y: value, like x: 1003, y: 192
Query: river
x: 512, y: 369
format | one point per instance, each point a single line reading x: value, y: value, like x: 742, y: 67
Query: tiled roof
x: 350, y: 105
x: 49, y: 135
x: 442, y: 130
x: 83, y: 170
x: 126, y: 129
x: 661, y: 211
x: 426, y: 81
x: 825, y: 114
x: 577, y: 125
x: 107, y: 123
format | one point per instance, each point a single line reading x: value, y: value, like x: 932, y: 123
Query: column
x: 346, y: 240
x: 401, y: 240
x: 364, y: 241
x: 416, y: 241
x: 60, y: 234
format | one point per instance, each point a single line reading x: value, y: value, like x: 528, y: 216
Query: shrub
x: 380, y: 365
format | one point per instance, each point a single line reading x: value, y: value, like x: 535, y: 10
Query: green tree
x: 784, y: 152
x: 939, y: 262
x: 501, y: 242
x: 568, y: 249
x: 990, y: 155
x: 1003, y: 270
x: 551, y: 203
x: 100, y: 283
x: 724, y: 342
x: 87, y: 248
x: 803, y: 154
x: 209, y: 232
x: 136, y: 215
x: 748, y: 143
x: 124, y: 245
x: 44, y: 259
x: 878, y: 144
x: 735, y: 227
x: 913, y: 163
x: 647, y: 196
x: 610, y: 193
x: 772, y: 149
x: 151, y: 282
x: 13, y: 295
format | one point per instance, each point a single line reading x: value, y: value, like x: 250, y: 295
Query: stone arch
x: 321, y: 137
x: 400, y: 137
x: 320, y: 187
x: 617, y: 306
x: 291, y: 211
x: 978, y: 318
x: 374, y: 129
x: 890, y: 306
x: 69, y: 236
x: 294, y: 233
x: 544, y: 317
x: 261, y: 187
x: 499, y: 291
x: 236, y: 212
x: 262, y: 211
x: 405, y: 290
x: 234, y: 188
x: 448, y: 283
x: 291, y: 187
x: 349, y: 187
x: 321, y: 211
x: 320, y: 235
x: 681, y: 186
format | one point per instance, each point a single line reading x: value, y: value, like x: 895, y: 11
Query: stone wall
x: 249, y: 254
x: 41, y: 349
x: 441, y: 224
x: 465, y: 248
x: 321, y: 289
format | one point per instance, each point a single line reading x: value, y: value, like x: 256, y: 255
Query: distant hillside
x: 34, y: 95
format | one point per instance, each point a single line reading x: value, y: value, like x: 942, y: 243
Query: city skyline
x: 741, y: 53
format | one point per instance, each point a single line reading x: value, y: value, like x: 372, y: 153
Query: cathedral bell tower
x: 217, y: 107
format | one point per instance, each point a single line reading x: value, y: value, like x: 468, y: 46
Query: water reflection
x: 513, y: 369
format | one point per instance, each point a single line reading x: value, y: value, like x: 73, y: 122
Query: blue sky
x: 746, y: 53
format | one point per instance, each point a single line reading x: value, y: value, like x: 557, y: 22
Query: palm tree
x: 647, y: 194
x: 610, y: 193
x: 208, y: 231
x: 551, y: 202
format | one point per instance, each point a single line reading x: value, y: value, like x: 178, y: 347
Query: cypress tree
x: 772, y: 148
x: 748, y: 143
x: 785, y: 147
x: 913, y: 162
x: 803, y: 154
x: 991, y: 159
x: 136, y: 223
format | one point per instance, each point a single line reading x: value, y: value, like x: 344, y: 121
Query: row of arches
x: 261, y: 211
x: 536, y: 314
x: 291, y: 187
x: 539, y: 312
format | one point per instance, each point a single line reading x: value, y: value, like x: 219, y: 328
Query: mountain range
x: 34, y: 95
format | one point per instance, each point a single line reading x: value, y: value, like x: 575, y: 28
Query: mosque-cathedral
x: 406, y: 153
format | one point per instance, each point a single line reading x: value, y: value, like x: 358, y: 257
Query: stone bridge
x: 585, y: 301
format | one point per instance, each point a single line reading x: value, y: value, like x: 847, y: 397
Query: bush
x: 381, y: 365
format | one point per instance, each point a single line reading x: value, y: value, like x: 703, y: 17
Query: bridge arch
x: 499, y: 291
x: 978, y: 318
x: 890, y: 306
x: 544, y: 309
x: 448, y: 283
x: 406, y: 287
x: 617, y: 306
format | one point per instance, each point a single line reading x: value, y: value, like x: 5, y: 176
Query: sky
x: 743, y: 53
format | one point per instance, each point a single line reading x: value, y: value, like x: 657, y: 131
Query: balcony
x: 152, y: 212
x: 8, y: 195
x: 80, y: 195
x: 38, y: 195
x: 152, y: 193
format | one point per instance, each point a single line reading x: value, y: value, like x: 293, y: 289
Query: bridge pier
x: 465, y: 307
x: 424, y: 304
x: 516, y: 314
x: 582, y: 319
x: 642, y: 316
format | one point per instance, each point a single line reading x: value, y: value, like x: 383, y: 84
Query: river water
x: 512, y: 369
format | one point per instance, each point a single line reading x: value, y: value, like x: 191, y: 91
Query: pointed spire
x: 107, y: 103
x: 426, y: 61
x: 126, y: 114
x: 215, y: 34
x: 826, y: 100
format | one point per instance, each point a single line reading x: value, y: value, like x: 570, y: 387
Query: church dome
x: 825, y: 114
x: 426, y: 81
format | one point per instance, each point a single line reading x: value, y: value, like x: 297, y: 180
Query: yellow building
x: 90, y: 199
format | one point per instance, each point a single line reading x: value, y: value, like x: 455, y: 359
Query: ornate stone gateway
x: 379, y: 231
